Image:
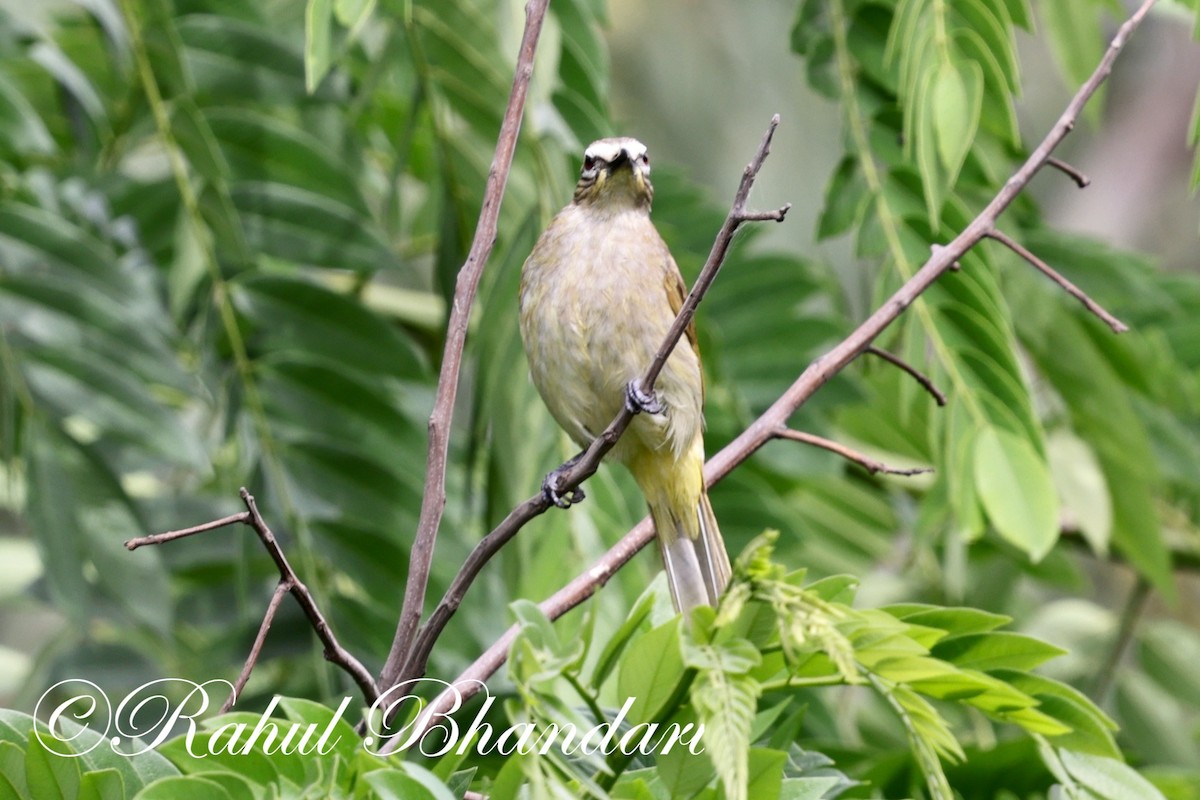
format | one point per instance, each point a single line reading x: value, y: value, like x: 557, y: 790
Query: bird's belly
x: 597, y: 337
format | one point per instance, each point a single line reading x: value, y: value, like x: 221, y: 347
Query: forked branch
x: 289, y: 582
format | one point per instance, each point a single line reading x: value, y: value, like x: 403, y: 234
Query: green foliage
x: 228, y: 236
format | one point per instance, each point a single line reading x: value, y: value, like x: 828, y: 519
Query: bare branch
x: 160, y: 538
x: 866, y: 462
x: 816, y: 375
x: 433, y: 500
x: 288, y: 583
x: 586, y: 463
x: 334, y: 652
x: 281, y: 590
x: 917, y: 375
x: 1081, y: 180
x: 1068, y: 287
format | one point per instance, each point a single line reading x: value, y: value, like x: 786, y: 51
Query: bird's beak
x: 621, y: 159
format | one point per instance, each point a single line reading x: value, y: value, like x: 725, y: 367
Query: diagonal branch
x: 586, y: 463
x: 1049, y: 271
x: 866, y: 462
x: 433, y: 500
x: 281, y: 590
x: 816, y: 375
x: 917, y: 375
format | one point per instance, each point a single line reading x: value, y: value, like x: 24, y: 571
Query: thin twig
x: 1068, y: 287
x: 916, y: 374
x: 585, y: 464
x: 1081, y: 180
x: 433, y: 500
x: 281, y: 590
x: 866, y: 462
x: 160, y: 538
x: 816, y: 375
x: 1135, y: 604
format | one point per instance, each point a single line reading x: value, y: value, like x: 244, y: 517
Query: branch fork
x: 289, y: 583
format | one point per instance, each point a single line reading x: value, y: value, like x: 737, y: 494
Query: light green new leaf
x: 725, y: 703
x: 996, y: 650
x: 1016, y: 490
x: 1080, y: 481
x: 354, y: 14
x: 318, y: 42
x: 956, y: 101
x: 1107, y: 778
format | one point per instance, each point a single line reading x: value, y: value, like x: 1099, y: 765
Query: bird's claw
x: 638, y: 401
x: 553, y: 492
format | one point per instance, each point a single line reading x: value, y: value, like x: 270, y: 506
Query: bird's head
x: 616, y: 173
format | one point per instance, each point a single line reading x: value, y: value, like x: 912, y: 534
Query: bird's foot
x: 552, y: 486
x: 638, y: 401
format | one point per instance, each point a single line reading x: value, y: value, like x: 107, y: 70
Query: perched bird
x: 598, y: 293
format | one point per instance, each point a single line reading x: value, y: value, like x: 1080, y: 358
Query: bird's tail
x: 689, y: 540
x: 697, y: 565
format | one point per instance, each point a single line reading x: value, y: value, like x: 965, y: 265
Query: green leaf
x: 308, y: 228
x: 725, y: 702
x: 12, y: 769
x: 103, y: 784
x: 22, y: 132
x: 995, y: 650
x: 52, y: 513
x: 1107, y: 778
x: 354, y: 14
x: 262, y: 147
x: 1016, y: 490
x: 1079, y: 479
x: 621, y: 638
x: 318, y: 42
x: 301, y: 316
x: 766, y: 773
x: 391, y: 784
x: 1073, y: 30
x: 136, y: 771
x: 955, y: 621
x: 50, y: 775
x: 331, y: 726
x: 807, y: 788
x: 957, y: 98
x: 651, y: 670
x: 72, y: 79
x: 183, y: 788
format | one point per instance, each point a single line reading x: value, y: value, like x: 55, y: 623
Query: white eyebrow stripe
x: 608, y: 149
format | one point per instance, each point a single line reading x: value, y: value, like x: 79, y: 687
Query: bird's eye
x: 589, y: 163
x: 646, y: 159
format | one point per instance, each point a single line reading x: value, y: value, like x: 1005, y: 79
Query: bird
x: 598, y: 293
